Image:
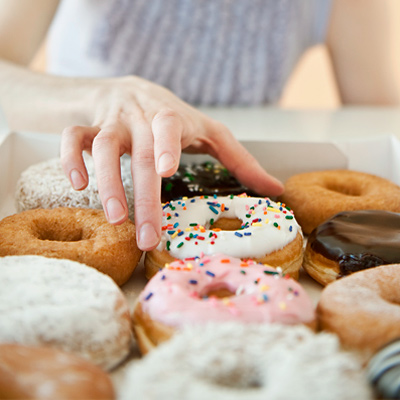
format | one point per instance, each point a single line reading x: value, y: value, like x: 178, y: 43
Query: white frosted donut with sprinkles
x: 217, y: 288
x: 240, y: 226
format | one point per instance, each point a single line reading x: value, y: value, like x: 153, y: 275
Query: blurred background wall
x: 312, y: 84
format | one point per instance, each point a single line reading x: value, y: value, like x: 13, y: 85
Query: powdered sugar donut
x: 217, y: 288
x: 233, y: 361
x: 363, y: 308
x: 239, y: 226
x: 66, y: 305
x: 44, y: 185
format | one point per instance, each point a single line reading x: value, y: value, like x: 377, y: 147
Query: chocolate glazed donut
x: 352, y: 241
x: 207, y: 178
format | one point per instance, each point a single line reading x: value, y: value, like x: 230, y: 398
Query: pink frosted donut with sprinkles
x: 239, y: 226
x: 217, y: 288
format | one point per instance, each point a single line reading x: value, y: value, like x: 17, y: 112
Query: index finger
x: 146, y: 186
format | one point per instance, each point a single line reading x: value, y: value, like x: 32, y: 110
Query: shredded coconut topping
x: 44, y: 185
x: 64, y: 304
x: 244, y: 361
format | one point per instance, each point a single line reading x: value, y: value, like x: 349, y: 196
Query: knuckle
x: 166, y: 113
x: 143, y: 157
x: 106, y: 139
x: 71, y: 130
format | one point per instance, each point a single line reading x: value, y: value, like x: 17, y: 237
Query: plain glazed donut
x: 363, y: 308
x: 44, y: 185
x: 65, y: 305
x: 216, y: 289
x: 317, y: 196
x: 239, y: 226
x: 234, y: 361
x: 41, y: 373
x: 77, y: 234
x: 352, y: 241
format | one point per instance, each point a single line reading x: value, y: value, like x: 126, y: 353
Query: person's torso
x: 208, y: 52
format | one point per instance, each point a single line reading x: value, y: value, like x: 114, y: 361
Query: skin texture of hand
x: 151, y: 124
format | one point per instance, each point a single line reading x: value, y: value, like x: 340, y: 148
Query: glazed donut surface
x: 65, y: 305
x: 44, y: 185
x: 217, y: 288
x: 363, y: 308
x: 82, y: 235
x: 232, y: 361
x: 239, y: 226
x: 28, y: 372
x: 317, y: 196
x: 352, y: 241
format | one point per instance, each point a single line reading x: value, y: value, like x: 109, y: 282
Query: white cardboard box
x: 283, y: 155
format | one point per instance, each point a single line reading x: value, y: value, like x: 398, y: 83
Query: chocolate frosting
x: 207, y: 178
x: 359, y: 239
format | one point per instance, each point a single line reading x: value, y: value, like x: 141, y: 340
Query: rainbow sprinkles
x: 187, y: 227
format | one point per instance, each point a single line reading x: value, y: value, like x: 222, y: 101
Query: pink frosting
x: 178, y: 294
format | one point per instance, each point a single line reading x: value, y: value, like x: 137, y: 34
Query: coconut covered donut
x: 239, y: 226
x: 232, y: 361
x: 317, y: 196
x: 217, y: 288
x: 44, y: 185
x: 352, y: 241
x: 77, y: 234
x: 363, y: 308
x: 40, y: 373
x: 65, y: 305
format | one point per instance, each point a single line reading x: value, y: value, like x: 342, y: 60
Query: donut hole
x: 227, y: 224
x: 346, y: 188
x: 59, y: 231
x: 246, y: 377
x: 219, y: 291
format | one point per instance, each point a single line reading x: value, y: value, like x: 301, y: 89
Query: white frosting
x: 187, y: 231
x: 232, y: 361
x: 44, y: 185
x: 64, y: 304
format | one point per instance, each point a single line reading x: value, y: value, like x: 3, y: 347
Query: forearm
x: 45, y: 103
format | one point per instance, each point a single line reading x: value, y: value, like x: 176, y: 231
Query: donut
x: 363, y: 308
x: 65, y: 305
x: 317, y: 196
x: 197, y: 179
x: 235, y: 361
x: 352, y: 241
x: 40, y: 373
x: 239, y: 226
x: 383, y: 371
x: 44, y: 185
x: 77, y: 234
x: 217, y: 288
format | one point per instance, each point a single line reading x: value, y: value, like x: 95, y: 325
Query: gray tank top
x: 208, y: 52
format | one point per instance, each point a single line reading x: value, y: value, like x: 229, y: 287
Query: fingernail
x: 78, y: 182
x: 147, y: 238
x: 115, y: 210
x: 165, y: 162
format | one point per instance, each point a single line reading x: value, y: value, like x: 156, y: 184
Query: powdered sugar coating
x: 178, y: 294
x: 64, y: 304
x: 267, y: 226
x: 44, y: 185
x: 231, y: 361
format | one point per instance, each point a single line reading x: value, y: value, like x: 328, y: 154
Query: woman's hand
x: 145, y: 120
